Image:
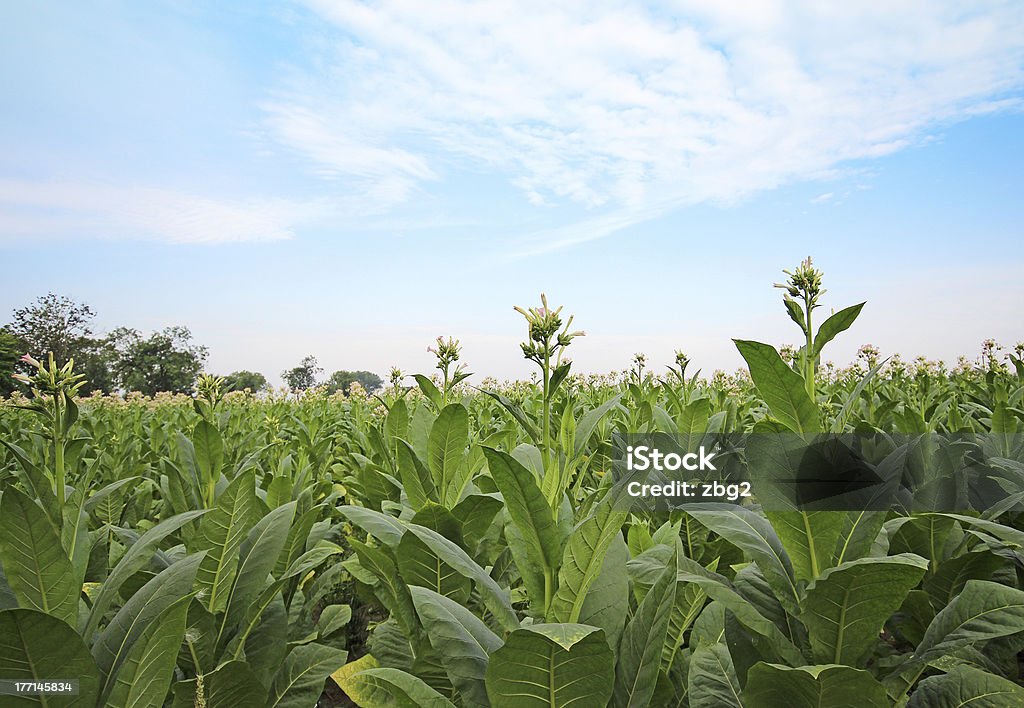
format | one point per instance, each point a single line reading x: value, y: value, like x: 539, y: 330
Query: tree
x: 166, y: 361
x: 241, y: 380
x: 302, y: 376
x: 11, y: 349
x: 341, y: 380
x: 53, y: 323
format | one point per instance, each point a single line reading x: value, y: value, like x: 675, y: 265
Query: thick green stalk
x: 58, y: 453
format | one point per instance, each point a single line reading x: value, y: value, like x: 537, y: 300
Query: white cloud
x: 636, y: 111
x: 45, y: 209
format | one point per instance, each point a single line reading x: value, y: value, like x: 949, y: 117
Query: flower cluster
x: 544, y: 340
x: 804, y: 283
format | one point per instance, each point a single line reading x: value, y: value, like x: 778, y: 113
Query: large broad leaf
x: 385, y: 528
x: 860, y: 529
x: 37, y: 568
x: 391, y: 590
x: 148, y: 667
x: 780, y: 387
x: 607, y: 601
x: 712, y: 680
x: 551, y: 665
x: 418, y: 565
x: 461, y: 640
x: 983, y: 610
x: 135, y: 558
x: 391, y: 687
x: 528, y: 509
x: 416, y: 478
x: 232, y: 684
x: 846, y: 607
x: 809, y: 537
x: 494, y: 598
x: 966, y: 686
x: 636, y: 672
x: 718, y: 588
x: 148, y: 603
x: 589, y: 422
x: 752, y: 534
x: 446, y: 448
x: 38, y: 647
x: 221, y: 535
x: 209, y: 447
x: 257, y: 557
x: 300, y: 680
x: 583, y: 558
x: 826, y: 686
x: 839, y: 322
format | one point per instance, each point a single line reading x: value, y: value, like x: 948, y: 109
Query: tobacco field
x: 455, y: 541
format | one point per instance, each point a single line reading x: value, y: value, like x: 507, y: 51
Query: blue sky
x: 350, y: 180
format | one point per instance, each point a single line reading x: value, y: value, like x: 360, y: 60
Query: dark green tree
x: 341, y: 380
x: 11, y: 349
x: 166, y: 361
x: 53, y: 323
x: 241, y: 380
x: 302, y: 376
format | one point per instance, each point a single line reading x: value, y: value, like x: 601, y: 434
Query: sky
x: 351, y: 180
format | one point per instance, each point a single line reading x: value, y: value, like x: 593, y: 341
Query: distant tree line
x: 306, y: 375
x: 126, y: 360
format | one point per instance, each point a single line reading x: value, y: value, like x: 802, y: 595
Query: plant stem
x: 58, y: 453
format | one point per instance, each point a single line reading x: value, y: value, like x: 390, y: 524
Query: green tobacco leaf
x: 416, y: 478
x: 751, y: 533
x: 429, y: 390
x: 419, y: 565
x: 966, y: 686
x: 384, y: 527
x: 983, y: 610
x: 462, y: 641
x: 718, y: 588
x: 221, y: 534
x: 475, y: 514
x: 257, y: 556
x: 519, y: 414
x: 780, y: 387
x: 712, y: 681
x: 37, y: 569
x: 391, y: 687
x: 38, y: 647
x: 300, y: 680
x: 232, y: 684
x: 148, y: 603
x: 860, y: 529
x: 209, y: 447
x: 636, y: 672
x: 148, y: 668
x: 834, y: 325
x: 527, y: 508
x: 825, y: 686
x: 846, y: 607
x: 551, y: 665
x: 392, y: 591
x: 809, y: 537
x: 607, y: 602
x: 135, y: 558
x: 588, y: 424
x: 494, y: 598
x: 583, y: 557
x: 446, y: 448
